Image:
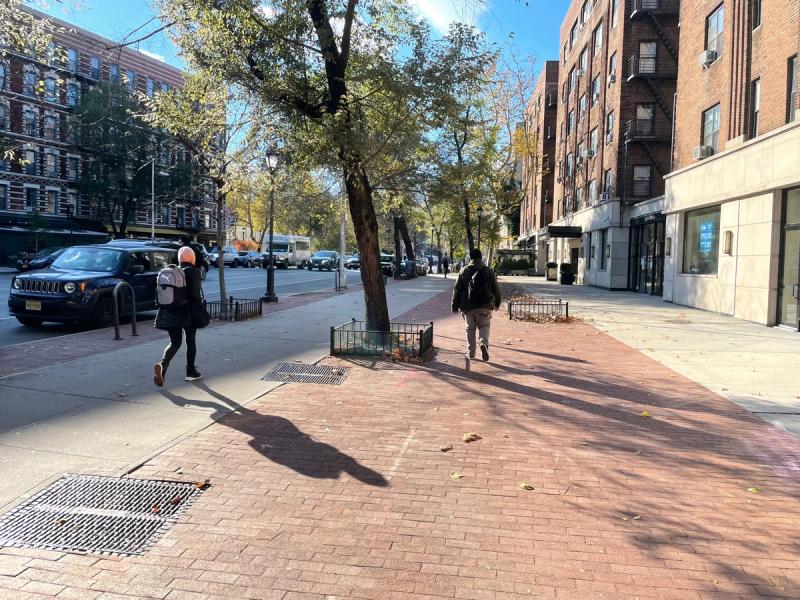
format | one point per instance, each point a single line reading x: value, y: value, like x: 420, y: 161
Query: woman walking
x: 180, y: 317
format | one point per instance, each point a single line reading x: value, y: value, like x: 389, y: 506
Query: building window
x: 614, y: 12
x: 150, y: 87
x: 72, y: 94
x: 584, y: 60
x: 52, y: 202
x: 598, y: 40
x: 564, y: 53
x: 51, y: 127
x: 701, y: 241
x: 589, y: 251
x: 610, y: 127
x: 51, y: 164
x: 648, y: 55
x: 612, y: 67
x: 756, y: 14
x: 72, y: 61
x: 570, y: 121
x: 603, y: 252
x: 3, y: 196
x: 579, y: 199
x: 130, y: 80
x: 31, y: 199
x: 95, y: 68
x: 29, y: 83
x: 645, y: 120
x: 3, y: 75
x: 715, y: 30
x: 593, y: 142
x: 641, y: 180
x: 570, y: 164
x: 586, y: 11
x: 595, y: 90
x: 114, y: 73
x: 29, y: 127
x: 583, y: 105
x: 711, y: 127
x: 3, y: 116
x: 593, y: 192
x: 572, y: 34
x: 50, y: 90
x: 755, y: 106
x: 165, y: 87
x: 165, y: 215
x: 571, y: 81
x: 72, y: 200
x: 581, y: 151
x: 206, y: 220
x: 72, y: 168
x: 792, y: 95
x: 180, y: 217
x: 608, y: 182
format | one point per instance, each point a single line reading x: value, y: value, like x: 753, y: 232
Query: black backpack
x: 478, y: 292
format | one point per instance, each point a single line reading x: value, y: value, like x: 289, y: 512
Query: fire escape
x: 652, y: 65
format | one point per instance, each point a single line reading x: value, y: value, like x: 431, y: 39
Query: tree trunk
x: 410, y: 253
x: 223, y: 293
x: 362, y: 211
x: 439, y: 250
x: 398, y: 252
x: 468, y: 226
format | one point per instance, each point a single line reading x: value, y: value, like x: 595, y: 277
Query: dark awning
x: 564, y: 231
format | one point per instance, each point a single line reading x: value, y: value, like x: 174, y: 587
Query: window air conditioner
x: 707, y: 57
x: 609, y: 137
x: 590, y: 153
x: 579, y: 73
x: 596, y: 97
x: 605, y: 197
x: 612, y: 78
x: 701, y: 152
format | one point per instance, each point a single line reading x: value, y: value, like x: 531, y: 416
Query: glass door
x: 789, y: 279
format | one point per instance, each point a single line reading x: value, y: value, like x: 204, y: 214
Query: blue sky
x: 534, y: 27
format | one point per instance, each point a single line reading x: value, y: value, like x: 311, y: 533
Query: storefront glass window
x: 701, y: 241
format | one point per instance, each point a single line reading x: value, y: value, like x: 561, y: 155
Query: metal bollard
x: 115, y: 300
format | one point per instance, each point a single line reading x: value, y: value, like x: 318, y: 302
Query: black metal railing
x: 234, y: 309
x: 651, y: 66
x: 403, y: 340
x: 665, y: 7
x: 538, y: 310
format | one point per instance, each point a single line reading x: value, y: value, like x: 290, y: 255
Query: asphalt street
x: 240, y: 283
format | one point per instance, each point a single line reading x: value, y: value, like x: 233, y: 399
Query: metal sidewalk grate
x: 88, y: 513
x: 300, y: 373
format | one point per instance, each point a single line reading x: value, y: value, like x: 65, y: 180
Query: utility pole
x: 342, y: 221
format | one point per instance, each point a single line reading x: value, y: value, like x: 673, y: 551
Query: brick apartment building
x: 537, y: 166
x: 616, y: 99
x: 40, y: 203
x: 733, y: 199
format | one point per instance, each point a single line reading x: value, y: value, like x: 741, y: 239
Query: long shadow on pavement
x: 280, y: 441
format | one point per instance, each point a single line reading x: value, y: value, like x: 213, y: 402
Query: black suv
x: 78, y: 286
x: 200, y: 252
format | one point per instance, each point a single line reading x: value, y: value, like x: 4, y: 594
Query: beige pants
x: 480, y: 319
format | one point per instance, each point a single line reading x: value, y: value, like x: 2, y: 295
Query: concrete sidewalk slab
x: 106, y: 407
x: 754, y: 366
x: 344, y: 491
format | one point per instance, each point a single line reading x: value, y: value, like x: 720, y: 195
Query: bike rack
x: 120, y: 285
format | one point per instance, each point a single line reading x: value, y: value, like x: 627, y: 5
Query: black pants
x: 175, y: 339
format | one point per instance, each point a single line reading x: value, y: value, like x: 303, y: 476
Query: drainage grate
x: 88, y: 513
x: 300, y: 373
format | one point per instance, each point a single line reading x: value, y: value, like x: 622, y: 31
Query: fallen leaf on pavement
x: 203, y: 485
x: 645, y: 413
x: 175, y: 501
x: 526, y: 486
x: 456, y: 475
x: 636, y: 518
x: 60, y: 521
x: 507, y: 342
x: 470, y: 437
x: 446, y: 448
x: 156, y: 509
x: 754, y: 490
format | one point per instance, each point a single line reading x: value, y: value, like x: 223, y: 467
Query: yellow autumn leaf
x: 456, y: 475
x: 526, y: 486
x: 446, y: 448
x: 471, y: 437
x: 754, y: 490
x: 645, y: 413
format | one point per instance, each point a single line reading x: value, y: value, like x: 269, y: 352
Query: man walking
x: 445, y: 265
x: 476, y: 294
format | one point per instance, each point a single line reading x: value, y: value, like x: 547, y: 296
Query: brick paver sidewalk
x: 324, y: 491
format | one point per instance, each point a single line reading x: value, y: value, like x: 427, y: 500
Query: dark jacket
x: 460, y: 299
x: 180, y: 317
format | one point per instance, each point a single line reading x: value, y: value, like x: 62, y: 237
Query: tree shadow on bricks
x: 280, y: 441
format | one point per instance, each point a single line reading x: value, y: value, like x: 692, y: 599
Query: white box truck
x: 288, y: 250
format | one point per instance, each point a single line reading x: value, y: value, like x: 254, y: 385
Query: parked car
x: 387, y: 264
x: 40, y: 260
x: 324, y: 259
x: 78, y: 286
x: 352, y: 262
x: 203, y: 260
x: 247, y: 258
x: 229, y: 253
x: 422, y: 265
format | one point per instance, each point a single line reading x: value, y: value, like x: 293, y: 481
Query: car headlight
x: 16, y: 283
x: 70, y: 287
x: 325, y: 262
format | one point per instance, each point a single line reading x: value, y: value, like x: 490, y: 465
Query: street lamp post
x: 430, y: 263
x: 153, y: 196
x: 342, y: 221
x: 272, y: 164
x: 480, y: 218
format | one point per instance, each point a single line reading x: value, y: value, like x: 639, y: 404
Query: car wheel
x: 104, y: 312
x: 30, y: 321
x: 203, y: 271
x: 310, y: 267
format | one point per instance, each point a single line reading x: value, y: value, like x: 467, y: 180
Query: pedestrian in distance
x: 445, y: 265
x: 476, y: 294
x: 181, y: 310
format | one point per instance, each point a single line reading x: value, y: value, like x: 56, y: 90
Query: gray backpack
x: 171, y: 290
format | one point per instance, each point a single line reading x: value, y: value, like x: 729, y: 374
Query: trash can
x: 552, y: 272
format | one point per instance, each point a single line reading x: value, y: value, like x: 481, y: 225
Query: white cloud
x: 153, y: 55
x: 441, y: 13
